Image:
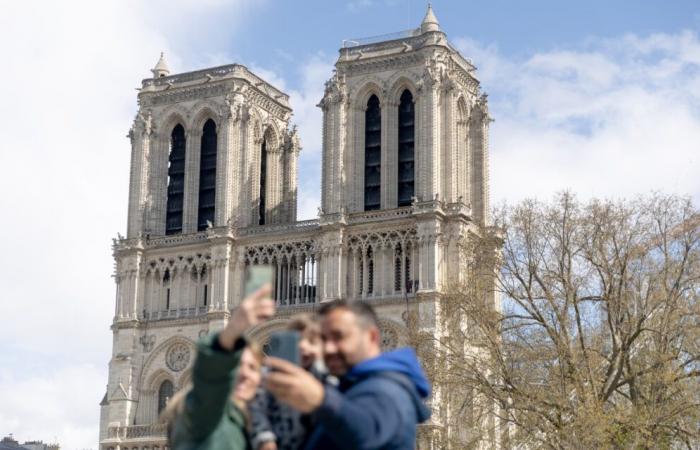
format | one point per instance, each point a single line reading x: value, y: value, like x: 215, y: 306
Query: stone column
x: 429, y: 255
x: 334, y: 123
x: 191, y: 195
x: 479, y: 125
x: 428, y: 123
x: 226, y: 141
x: 449, y: 166
x: 140, y: 136
x: 390, y: 162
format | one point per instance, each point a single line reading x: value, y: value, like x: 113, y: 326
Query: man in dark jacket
x: 380, y: 398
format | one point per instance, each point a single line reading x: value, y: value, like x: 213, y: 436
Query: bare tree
x: 578, y: 326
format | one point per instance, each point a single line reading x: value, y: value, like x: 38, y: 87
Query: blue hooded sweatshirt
x: 377, y: 406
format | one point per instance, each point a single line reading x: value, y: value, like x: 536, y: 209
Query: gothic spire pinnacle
x: 430, y: 22
x: 161, y: 69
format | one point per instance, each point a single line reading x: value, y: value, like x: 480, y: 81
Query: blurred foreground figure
x: 379, y: 400
x: 213, y: 414
x: 276, y: 426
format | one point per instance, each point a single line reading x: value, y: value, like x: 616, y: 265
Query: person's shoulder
x: 387, y: 384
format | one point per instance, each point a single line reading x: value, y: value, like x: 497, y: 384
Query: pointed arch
x: 262, y: 200
x: 176, y: 180
x: 205, y: 110
x: 165, y: 393
x: 406, y: 148
x: 207, y: 175
x: 185, y: 379
x: 271, y: 135
x: 373, y: 154
x: 371, y: 87
x: 172, y: 116
x: 399, y: 84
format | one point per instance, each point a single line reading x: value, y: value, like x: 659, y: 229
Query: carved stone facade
x: 174, y: 288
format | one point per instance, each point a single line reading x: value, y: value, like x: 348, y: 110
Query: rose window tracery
x: 177, y: 357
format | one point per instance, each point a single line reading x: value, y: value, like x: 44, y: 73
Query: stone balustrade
x: 155, y: 430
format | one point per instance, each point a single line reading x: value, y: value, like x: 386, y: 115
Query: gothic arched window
x: 373, y: 153
x: 406, y: 172
x: 370, y: 271
x: 165, y: 393
x: 397, y: 268
x: 207, y: 176
x: 263, y: 173
x: 176, y: 181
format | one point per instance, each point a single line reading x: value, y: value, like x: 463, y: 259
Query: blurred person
x: 226, y: 374
x: 276, y: 426
x: 379, y: 401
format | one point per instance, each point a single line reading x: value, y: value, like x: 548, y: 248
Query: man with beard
x: 379, y: 400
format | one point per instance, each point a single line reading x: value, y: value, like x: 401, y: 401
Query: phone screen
x: 257, y: 277
x: 284, y: 345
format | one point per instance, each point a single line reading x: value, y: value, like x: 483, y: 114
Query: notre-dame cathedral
x: 213, y: 190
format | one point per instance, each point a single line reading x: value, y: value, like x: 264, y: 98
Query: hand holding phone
x: 285, y: 345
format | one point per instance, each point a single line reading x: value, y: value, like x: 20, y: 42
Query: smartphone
x: 256, y: 277
x: 284, y: 345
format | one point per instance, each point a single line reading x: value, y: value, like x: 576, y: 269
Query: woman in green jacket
x: 225, y: 376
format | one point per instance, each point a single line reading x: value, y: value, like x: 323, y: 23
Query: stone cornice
x: 381, y: 63
x: 168, y: 323
x: 229, y: 71
x: 177, y: 94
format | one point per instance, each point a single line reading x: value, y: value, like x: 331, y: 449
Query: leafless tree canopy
x: 596, y: 340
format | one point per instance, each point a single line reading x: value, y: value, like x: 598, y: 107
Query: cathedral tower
x: 213, y: 192
x: 404, y: 122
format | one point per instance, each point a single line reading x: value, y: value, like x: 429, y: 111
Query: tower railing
x: 356, y: 42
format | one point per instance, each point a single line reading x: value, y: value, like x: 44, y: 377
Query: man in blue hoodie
x: 379, y: 400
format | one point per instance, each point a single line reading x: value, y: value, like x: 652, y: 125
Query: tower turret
x: 161, y: 69
x: 430, y: 22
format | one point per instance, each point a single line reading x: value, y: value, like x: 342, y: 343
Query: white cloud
x: 614, y: 117
x: 69, y: 73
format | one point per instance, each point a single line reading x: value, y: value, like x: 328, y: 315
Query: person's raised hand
x: 254, y: 309
x: 293, y: 385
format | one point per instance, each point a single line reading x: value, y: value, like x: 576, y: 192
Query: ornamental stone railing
x: 156, y: 430
x: 357, y: 42
x: 379, y: 215
x: 176, y: 313
x: 175, y: 239
x: 300, y: 226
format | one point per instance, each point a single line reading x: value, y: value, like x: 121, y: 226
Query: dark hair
x: 364, y: 312
x: 303, y: 322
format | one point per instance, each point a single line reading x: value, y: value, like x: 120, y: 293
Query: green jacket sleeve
x: 213, y: 376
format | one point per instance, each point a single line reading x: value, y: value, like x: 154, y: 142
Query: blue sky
x: 599, y: 97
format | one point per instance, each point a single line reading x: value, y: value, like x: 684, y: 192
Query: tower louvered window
x: 406, y: 172
x: 176, y: 181
x: 207, y: 176
x: 165, y: 393
x: 373, y: 153
x: 263, y: 176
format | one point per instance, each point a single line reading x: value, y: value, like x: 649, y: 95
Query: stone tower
x: 213, y: 192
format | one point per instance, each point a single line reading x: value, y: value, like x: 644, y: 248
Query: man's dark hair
x: 364, y: 312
